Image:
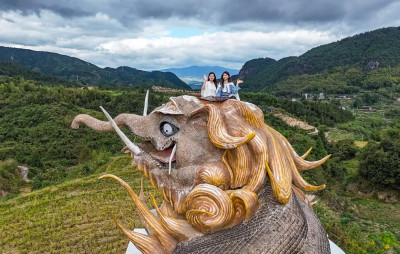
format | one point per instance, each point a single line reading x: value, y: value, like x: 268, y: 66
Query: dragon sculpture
x: 230, y: 183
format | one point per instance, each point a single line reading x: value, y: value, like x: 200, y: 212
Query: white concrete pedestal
x: 131, y: 247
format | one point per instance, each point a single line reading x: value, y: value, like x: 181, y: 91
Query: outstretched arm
x: 204, y: 83
x: 239, y: 81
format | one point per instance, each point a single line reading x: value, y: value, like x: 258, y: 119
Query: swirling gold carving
x: 209, y: 208
x: 240, y: 165
x: 245, y: 204
x: 214, y: 173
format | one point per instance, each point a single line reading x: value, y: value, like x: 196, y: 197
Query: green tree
x: 344, y: 149
x: 380, y: 162
x: 370, y: 98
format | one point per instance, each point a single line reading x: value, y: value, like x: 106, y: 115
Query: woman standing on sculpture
x: 227, y: 88
x: 209, y: 87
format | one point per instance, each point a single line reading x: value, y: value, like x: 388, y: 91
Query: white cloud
x: 103, y: 41
x: 229, y: 49
x: 137, y: 34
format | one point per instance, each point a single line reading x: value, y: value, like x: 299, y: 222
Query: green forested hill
x: 35, y: 126
x: 355, y: 81
x: 74, y: 69
x: 365, y: 52
x: 14, y: 70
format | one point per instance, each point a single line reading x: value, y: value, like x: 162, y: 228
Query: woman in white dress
x: 209, y: 87
x: 226, y: 88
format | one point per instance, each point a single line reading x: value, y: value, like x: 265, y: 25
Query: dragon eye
x: 168, y: 129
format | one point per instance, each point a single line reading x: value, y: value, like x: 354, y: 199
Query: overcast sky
x: 161, y: 34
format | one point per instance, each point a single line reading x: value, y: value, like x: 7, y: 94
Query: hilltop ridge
x: 85, y: 73
x: 366, y: 52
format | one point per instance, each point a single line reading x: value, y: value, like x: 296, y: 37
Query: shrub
x: 10, y: 179
x: 384, y: 241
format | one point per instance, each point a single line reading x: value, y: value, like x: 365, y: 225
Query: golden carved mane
x: 256, y: 149
x: 253, y: 150
x: 225, y: 191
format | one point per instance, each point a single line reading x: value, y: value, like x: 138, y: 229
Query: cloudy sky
x: 151, y: 35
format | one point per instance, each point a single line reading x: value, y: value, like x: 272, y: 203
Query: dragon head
x: 209, y: 160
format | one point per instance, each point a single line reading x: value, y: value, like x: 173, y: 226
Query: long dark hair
x: 222, y: 78
x: 215, y: 78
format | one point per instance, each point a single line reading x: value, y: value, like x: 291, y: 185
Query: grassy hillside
x: 74, y: 69
x: 73, y: 217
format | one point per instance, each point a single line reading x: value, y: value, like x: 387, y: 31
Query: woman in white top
x: 226, y: 88
x: 209, y: 87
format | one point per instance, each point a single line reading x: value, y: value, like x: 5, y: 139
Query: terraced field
x: 73, y: 217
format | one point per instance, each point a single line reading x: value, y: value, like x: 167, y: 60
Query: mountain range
x: 365, y: 52
x: 361, y: 55
x: 84, y: 73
